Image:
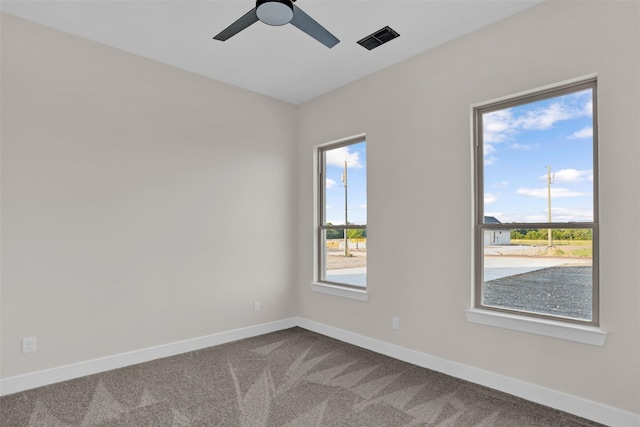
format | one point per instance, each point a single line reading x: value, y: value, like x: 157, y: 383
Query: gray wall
x: 141, y: 204
x: 417, y: 119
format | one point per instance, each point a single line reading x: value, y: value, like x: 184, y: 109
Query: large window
x: 342, y: 226
x: 536, y: 216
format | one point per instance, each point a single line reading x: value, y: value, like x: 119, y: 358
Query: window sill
x: 565, y: 331
x: 325, y: 288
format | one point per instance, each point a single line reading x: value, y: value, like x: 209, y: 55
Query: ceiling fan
x: 280, y: 12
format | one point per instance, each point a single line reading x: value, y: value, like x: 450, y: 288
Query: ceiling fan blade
x: 247, y: 19
x: 307, y: 24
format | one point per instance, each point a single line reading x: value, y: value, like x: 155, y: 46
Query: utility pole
x: 549, y: 182
x: 344, y: 180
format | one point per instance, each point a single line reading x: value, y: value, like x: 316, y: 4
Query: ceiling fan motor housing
x: 274, y: 12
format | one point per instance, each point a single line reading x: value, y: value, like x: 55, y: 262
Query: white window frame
x: 318, y: 284
x: 570, y: 329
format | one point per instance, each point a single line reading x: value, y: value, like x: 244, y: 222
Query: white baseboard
x: 574, y: 405
x: 63, y: 373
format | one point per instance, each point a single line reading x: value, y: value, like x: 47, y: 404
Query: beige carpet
x: 292, y: 378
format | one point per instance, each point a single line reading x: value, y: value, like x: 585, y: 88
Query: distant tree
x: 351, y: 234
x: 534, y: 235
x: 518, y: 234
x: 556, y: 234
x: 356, y: 234
x: 334, y: 234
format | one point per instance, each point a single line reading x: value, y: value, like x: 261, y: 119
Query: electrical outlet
x: 256, y: 306
x: 395, y: 322
x: 28, y: 345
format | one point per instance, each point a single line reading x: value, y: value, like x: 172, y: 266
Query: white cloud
x: 363, y: 206
x: 497, y: 125
x: 488, y: 158
x: 535, y: 218
x: 488, y: 161
x: 557, y: 214
x: 329, y: 184
x: 489, y: 198
x: 546, y: 117
x: 502, y: 125
x: 571, y: 214
x: 524, y: 147
x: 517, y: 217
x: 556, y: 193
x: 587, y: 108
x: 582, y: 133
x: 337, y: 156
x: 565, y: 176
x: 336, y: 221
x: 500, y: 184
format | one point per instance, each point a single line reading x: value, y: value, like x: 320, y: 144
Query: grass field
x: 568, y: 248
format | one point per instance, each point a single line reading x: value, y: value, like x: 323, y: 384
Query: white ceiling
x: 281, y: 62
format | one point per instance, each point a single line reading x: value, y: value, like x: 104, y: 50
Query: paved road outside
x: 496, y: 266
x: 349, y: 276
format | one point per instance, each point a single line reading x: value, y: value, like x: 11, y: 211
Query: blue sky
x: 520, y: 142
x: 356, y: 157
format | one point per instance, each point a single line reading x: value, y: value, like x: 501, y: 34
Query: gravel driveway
x: 560, y: 291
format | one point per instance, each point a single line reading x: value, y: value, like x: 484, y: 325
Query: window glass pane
x: 535, y: 166
x: 524, y: 272
x: 345, y: 267
x: 343, y: 251
x: 538, y: 161
x: 345, y: 187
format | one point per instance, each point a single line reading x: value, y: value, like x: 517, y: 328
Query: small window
x: 536, y: 241
x: 342, y: 227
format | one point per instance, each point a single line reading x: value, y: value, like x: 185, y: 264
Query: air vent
x: 378, y: 38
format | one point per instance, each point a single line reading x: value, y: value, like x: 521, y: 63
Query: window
x: 342, y: 225
x: 536, y: 215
